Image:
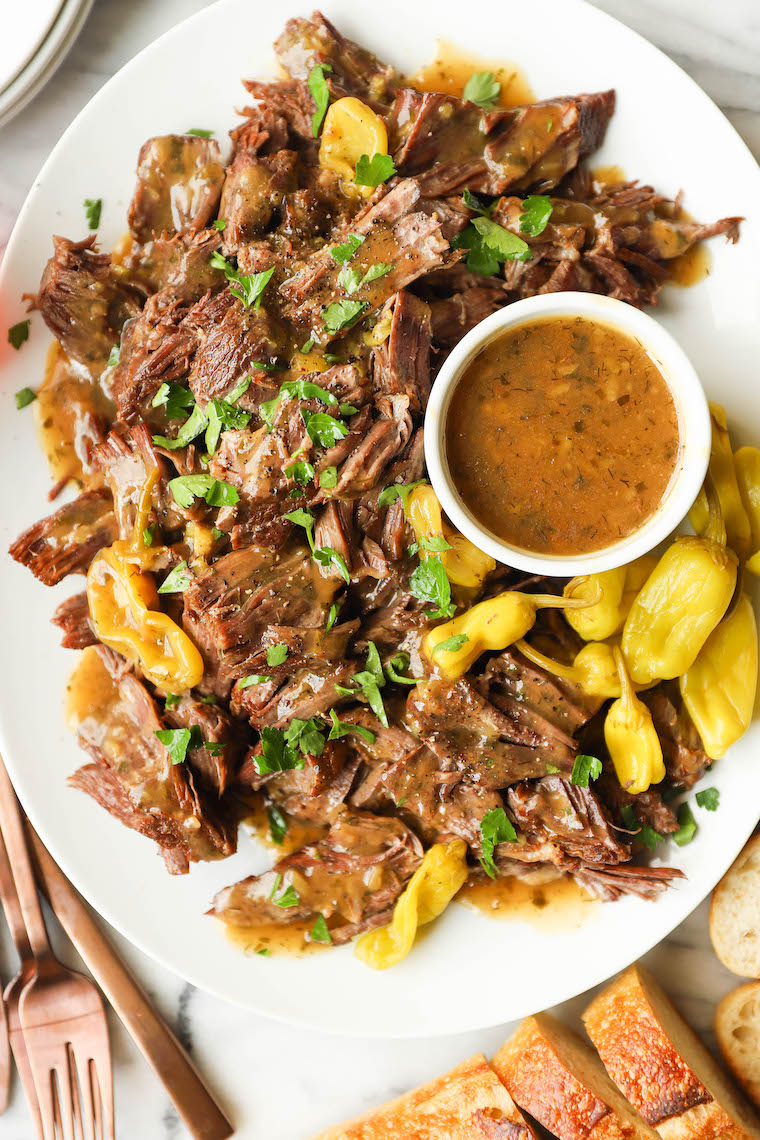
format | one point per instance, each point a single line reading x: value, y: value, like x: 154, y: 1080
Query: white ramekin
x: 693, y: 422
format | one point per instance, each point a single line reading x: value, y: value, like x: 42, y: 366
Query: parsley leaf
x: 495, y: 827
x: 379, y: 269
x: 176, y: 398
x: 373, y: 171
x: 148, y: 534
x: 479, y: 258
x: 324, y: 430
x: 345, y: 728
x: 176, y: 741
x: 326, y: 556
x: 92, y: 211
x: 397, y: 664
x: 306, y: 736
x: 192, y: 427
x: 221, y: 415
x: 339, y: 314
x: 709, y: 799
x: 24, y: 397
x: 252, y: 679
x: 345, y: 250
x: 349, y: 279
x: 216, y: 492
x: 200, y: 132
x: 332, y: 616
x: 451, y: 644
x: 288, y: 898
x: 552, y: 769
x: 275, y: 756
x: 320, y: 93
x: 472, y: 202
x: 171, y: 699
x: 320, y: 932
x: 247, y: 287
x: 482, y: 88
x: 277, y: 654
x: 585, y: 768
x: 687, y: 826
x: 114, y: 356
x: 305, y: 518
x: 536, y: 211
x: 17, y: 334
x: 220, y: 224
x: 301, y: 472
x: 430, y: 584
x: 504, y: 245
x: 178, y: 581
x: 328, y: 478
x: 397, y: 491
x: 278, y: 825
x: 642, y: 833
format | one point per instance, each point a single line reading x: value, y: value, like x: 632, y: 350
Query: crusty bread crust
x: 737, y: 1028
x: 660, y: 1064
x: 554, y: 1075
x: 735, y: 914
x: 467, y: 1103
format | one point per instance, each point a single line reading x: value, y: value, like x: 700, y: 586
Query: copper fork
x: 15, y: 987
x: 61, y: 1013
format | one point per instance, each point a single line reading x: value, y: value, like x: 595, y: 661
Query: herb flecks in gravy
x: 562, y: 436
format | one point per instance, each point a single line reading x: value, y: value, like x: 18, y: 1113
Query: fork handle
x: 12, y: 831
x: 202, y: 1115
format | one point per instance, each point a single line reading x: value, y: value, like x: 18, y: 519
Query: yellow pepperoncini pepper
x: 618, y: 588
x: 747, y: 466
x: 680, y: 604
x: 719, y: 689
x: 351, y: 129
x: 125, y: 613
x: 429, y: 891
x: 631, y: 738
x: 464, y: 564
x: 492, y: 624
x: 724, y: 476
x: 594, y: 668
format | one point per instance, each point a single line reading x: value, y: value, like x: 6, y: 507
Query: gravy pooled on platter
x: 562, y: 436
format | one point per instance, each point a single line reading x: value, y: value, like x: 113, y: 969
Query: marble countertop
x: 277, y: 1082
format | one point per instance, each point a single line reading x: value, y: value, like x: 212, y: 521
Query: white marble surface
x: 277, y: 1082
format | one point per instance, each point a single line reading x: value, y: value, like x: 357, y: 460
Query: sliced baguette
x: 556, y: 1077
x: 468, y: 1103
x: 661, y: 1066
x: 735, y: 914
x: 737, y: 1028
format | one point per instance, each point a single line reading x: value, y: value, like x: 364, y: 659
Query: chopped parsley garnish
x: 437, y: 544
x: 320, y: 93
x: 148, y: 534
x: 477, y: 205
x: 643, y: 833
x: 171, y: 699
x: 307, y: 346
x: 176, y: 741
x: 200, y: 132
x: 263, y: 951
x: 320, y: 931
x: 216, y: 492
x: 430, y: 584
x: 552, y: 769
x: 216, y: 533
x: 451, y: 644
x: 176, y: 398
x: 709, y: 799
x: 324, y: 430
x: 178, y: 581
x: 483, y: 89
x: 489, y: 246
x: 277, y: 654
x: 214, y: 747
x: 585, y: 768
x: 349, y: 279
x: 397, y: 491
x: 17, y: 334
x: 328, y: 478
x: 301, y: 472
x: 222, y: 415
x: 340, y: 314
x: 332, y: 616
x: 278, y: 825
x: 288, y: 898
x: 370, y: 680
x: 247, y: 287
x: 196, y: 422
x: 92, y: 211
x: 687, y: 826
x: 326, y: 556
x: 345, y: 728
x: 114, y: 356
x: 379, y: 269
x: 346, y: 249
x: 495, y: 827
x: 253, y: 679
x: 24, y: 397
x: 305, y: 518
x: 307, y: 390
x: 372, y: 171
x: 397, y: 665
x: 220, y: 224
x: 284, y: 750
x: 536, y: 211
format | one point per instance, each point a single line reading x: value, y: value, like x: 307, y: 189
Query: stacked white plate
x: 38, y: 34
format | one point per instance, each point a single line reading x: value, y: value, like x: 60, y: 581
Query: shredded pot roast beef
x: 266, y: 341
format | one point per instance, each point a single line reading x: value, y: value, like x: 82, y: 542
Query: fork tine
x: 65, y: 1100
x: 102, y: 1074
x: 46, y: 1100
x: 27, y: 1080
x: 80, y: 1094
x: 83, y: 1066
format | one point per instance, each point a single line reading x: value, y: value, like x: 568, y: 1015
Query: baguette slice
x: 737, y: 1027
x: 735, y: 914
x: 467, y: 1103
x: 556, y: 1077
x: 661, y: 1066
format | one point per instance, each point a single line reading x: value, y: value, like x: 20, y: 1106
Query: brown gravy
x: 69, y: 408
x: 452, y: 67
x: 562, y: 436
x: 556, y: 906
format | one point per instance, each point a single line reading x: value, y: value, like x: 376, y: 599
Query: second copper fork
x: 61, y: 1013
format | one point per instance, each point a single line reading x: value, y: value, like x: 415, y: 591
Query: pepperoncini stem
x: 536, y: 657
x: 593, y: 669
x: 351, y: 129
x: 464, y: 564
x: 493, y: 624
x: 427, y: 894
x: 631, y: 738
x: 719, y: 689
